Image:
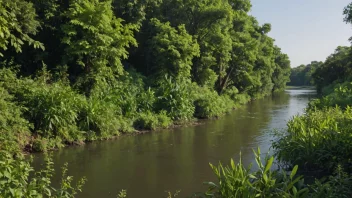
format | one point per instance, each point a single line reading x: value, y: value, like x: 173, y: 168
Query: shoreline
x: 197, y: 121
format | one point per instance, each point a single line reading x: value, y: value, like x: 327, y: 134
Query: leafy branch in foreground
x: 15, y: 180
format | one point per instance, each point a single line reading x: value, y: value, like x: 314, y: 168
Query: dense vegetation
x: 316, y: 145
x: 83, y: 70
x: 302, y: 75
x: 86, y: 70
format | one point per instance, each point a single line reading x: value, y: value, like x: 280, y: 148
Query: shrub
x: 237, y: 181
x: 16, y: 180
x: 101, y: 120
x: 176, y: 97
x: 14, y: 130
x: 209, y: 104
x: 318, y: 141
x: 152, y: 121
x: 54, y: 110
x: 341, y: 96
x: 40, y: 144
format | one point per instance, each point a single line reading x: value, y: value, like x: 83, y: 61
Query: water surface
x: 178, y: 159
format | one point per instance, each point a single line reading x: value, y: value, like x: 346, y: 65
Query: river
x: 178, y: 159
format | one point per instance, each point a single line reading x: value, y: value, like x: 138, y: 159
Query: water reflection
x: 149, y: 164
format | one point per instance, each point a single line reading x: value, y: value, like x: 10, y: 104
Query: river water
x: 178, y: 159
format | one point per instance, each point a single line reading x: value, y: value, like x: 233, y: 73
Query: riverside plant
x: 236, y: 180
x: 16, y: 182
x: 317, y: 141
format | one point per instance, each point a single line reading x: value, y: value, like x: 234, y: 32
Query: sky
x: 306, y: 30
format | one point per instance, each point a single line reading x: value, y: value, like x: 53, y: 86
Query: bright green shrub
x: 176, y: 97
x: 318, y: 141
x: 16, y: 180
x: 152, y: 121
x: 14, y: 130
x: 101, y: 120
x: 340, y: 96
x: 238, y: 181
x: 209, y: 104
x: 40, y: 144
x: 54, y: 109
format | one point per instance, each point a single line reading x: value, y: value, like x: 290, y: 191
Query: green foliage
x: 54, y: 110
x: 337, y: 67
x: 318, y: 141
x: 96, y: 41
x: 17, y: 25
x: 98, y: 83
x: 17, y: 182
x: 99, y: 120
x: 282, y: 71
x: 209, y: 104
x: 336, y: 185
x: 14, y: 129
x: 238, y: 181
x: 152, y: 121
x: 175, y: 96
x: 337, y: 94
x: 40, y: 144
x: 122, y: 194
x: 172, y: 50
x: 303, y: 74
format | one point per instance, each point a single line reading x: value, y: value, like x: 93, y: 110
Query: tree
x: 171, y: 50
x: 337, y: 67
x: 95, y: 41
x: 17, y: 25
x: 282, y: 70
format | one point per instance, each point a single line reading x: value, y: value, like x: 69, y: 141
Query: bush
x: 152, y: 121
x: 176, y: 97
x: 318, y: 141
x: 209, y: 104
x: 16, y: 180
x: 14, y: 130
x: 40, y: 144
x: 101, y: 120
x: 54, y: 109
x: 340, y: 96
x: 237, y: 181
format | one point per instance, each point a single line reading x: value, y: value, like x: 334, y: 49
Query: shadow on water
x: 178, y: 159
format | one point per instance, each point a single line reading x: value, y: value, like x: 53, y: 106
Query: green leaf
x: 269, y: 164
x: 293, y: 172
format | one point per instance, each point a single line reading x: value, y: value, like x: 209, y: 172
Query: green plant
x: 54, y: 110
x: 16, y: 180
x: 209, y: 104
x: 122, y: 194
x: 175, y: 96
x: 152, y: 121
x: 336, y: 185
x: 173, y: 195
x: 317, y: 141
x: 14, y: 129
x: 238, y: 181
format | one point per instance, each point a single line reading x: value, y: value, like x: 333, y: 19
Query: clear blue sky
x: 306, y: 30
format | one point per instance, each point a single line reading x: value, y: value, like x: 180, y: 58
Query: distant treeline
x: 302, y: 75
x: 335, y: 68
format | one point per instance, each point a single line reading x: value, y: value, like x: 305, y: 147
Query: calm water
x: 178, y: 159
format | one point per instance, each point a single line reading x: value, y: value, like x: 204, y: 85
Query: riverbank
x: 195, y: 122
x: 178, y: 159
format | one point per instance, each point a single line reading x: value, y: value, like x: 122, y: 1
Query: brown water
x: 178, y: 159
